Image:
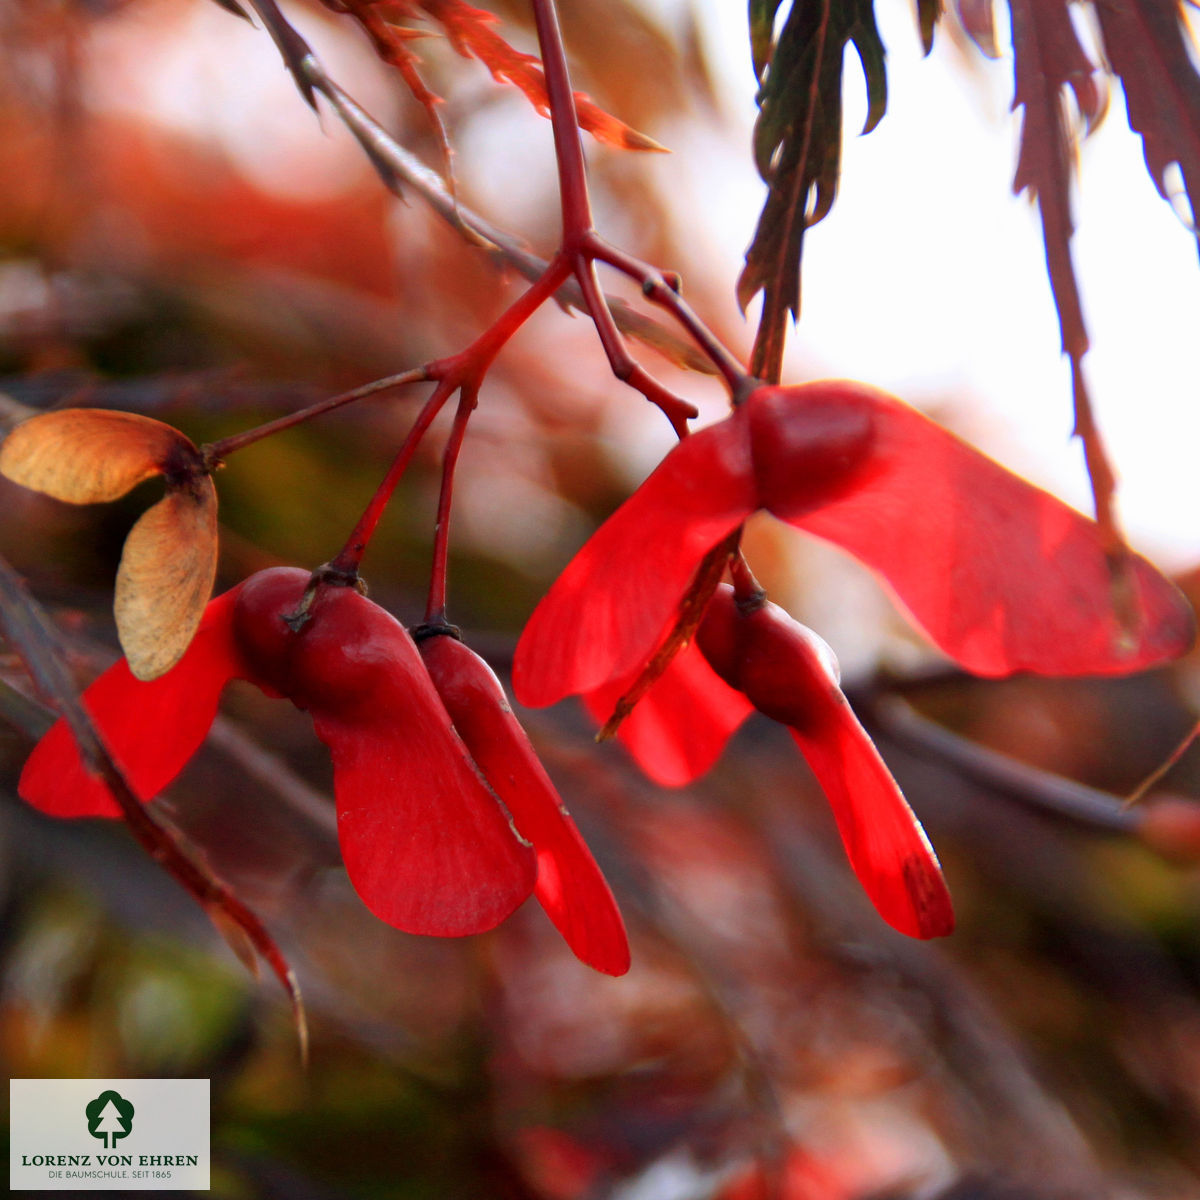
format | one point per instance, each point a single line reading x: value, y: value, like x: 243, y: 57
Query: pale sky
x: 928, y: 279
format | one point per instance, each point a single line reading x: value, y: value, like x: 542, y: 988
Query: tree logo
x: 109, y: 1117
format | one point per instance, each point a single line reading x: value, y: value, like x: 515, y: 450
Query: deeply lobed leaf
x: 1049, y: 59
x: 797, y: 146
x: 1151, y: 49
x: 471, y: 32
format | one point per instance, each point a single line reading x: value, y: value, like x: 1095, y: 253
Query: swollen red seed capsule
x: 806, y: 455
x: 780, y: 667
x: 426, y: 844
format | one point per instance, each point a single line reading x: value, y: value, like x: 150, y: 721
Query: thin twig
x: 1139, y: 793
x: 578, y: 232
x: 32, y: 636
x: 1040, y: 789
x: 217, y: 452
x: 400, y: 169
x: 463, y: 371
x: 664, y: 290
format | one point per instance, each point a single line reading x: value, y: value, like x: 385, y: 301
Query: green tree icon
x: 109, y: 1117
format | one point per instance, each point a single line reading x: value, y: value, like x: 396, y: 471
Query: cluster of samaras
x: 447, y: 820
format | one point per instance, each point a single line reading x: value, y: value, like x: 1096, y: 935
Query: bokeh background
x: 181, y: 236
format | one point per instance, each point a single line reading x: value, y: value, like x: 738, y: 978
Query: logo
x: 126, y: 1135
x: 109, y: 1117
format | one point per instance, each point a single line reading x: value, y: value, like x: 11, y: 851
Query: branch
x: 1076, y: 802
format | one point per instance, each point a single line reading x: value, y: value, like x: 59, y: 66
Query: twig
x: 463, y: 371
x: 1139, y: 793
x: 1040, y: 789
x: 216, y: 452
x: 399, y: 168
x: 578, y: 232
x: 31, y: 634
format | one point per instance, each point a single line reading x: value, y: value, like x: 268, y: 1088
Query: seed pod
x: 809, y: 450
x: 1001, y: 576
x: 426, y: 844
x: 88, y: 456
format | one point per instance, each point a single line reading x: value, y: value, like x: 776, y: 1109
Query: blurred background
x: 181, y: 236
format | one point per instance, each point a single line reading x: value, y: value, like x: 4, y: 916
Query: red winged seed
x: 426, y: 845
x: 569, y: 884
x: 784, y: 673
x: 1001, y: 575
x: 607, y: 611
x: 680, y: 726
x: 151, y: 728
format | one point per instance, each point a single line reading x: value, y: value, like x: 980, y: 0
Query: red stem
x: 463, y: 371
x: 624, y: 366
x: 663, y: 290
x: 217, y: 452
x: 746, y: 588
x: 471, y: 364
x: 435, y: 609
x: 580, y: 242
x: 568, y: 149
x: 348, y: 560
